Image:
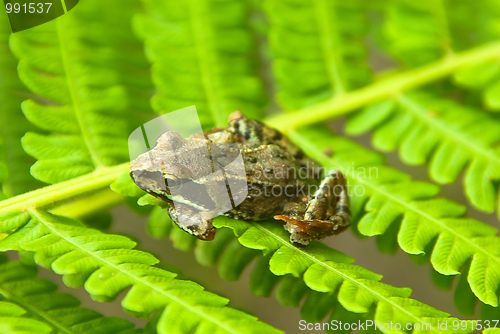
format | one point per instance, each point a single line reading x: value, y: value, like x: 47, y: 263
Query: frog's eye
x: 172, y: 181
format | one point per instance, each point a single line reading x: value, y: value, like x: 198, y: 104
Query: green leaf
x: 86, y: 100
x: 317, y: 49
x: 370, y: 117
x: 478, y: 75
x: 262, y: 281
x: 125, y: 186
x: 208, y: 62
x: 14, y: 162
x: 151, y: 200
x: 484, y: 77
x: 159, y: 223
x: 13, y: 322
x: 317, y: 306
x: 31, y: 305
x: 331, y: 271
x: 417, y: 32
x: 424, y: 217
x: 234, y: 260
x: 108, y: 264
x: 449, y: 137
x: 290, y: 291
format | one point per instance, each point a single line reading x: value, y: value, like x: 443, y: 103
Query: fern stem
x: 89, y: 205
x: 100, y: 178
x: 346, y: 103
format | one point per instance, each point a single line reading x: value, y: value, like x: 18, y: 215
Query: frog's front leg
x: 192, y: 221
x: 326, y: 213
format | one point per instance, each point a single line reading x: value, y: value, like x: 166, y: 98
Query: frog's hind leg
x: 327, y: 212
x: 332, y: 194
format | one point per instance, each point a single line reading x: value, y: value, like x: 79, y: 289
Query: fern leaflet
x: 57, y: 312
x: 84, y: 98
x: 392, y: 194
x: 108, y: 264
x: 323, y: 55
x: 417, y: 44
x: 442, y: 132
x: 442, y: 33
x: 325, y: 270
x: 12, y: 92
x: 201, y: 57
x: 12, y: 321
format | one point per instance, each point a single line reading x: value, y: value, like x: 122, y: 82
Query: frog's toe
x: 235, y: 115
x: 207, y: 235
x: 299, y: 235
x: 203, y: 231
x: 298, y: 238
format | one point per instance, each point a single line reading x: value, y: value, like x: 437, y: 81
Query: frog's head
x: 174, y: 171
x: 171, y: 165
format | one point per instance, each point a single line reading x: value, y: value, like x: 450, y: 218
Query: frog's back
x: 274, y: 178
x: 244, y: 130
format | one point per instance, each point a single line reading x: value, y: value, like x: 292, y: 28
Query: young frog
x: 280, y: 181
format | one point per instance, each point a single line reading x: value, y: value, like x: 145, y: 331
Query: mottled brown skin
x: 269, y: 160
x: 266, y: 167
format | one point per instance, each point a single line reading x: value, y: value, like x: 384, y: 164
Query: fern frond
x: 35, y: 300
x: 77, y: 71
x: 383, y: 89
x: 317, y: 49
x: 483, y: 77
x: 440, y: 32
x: 14, y: 125
x: 107, y: 264
x: 447, y: 135
x: 473, y: 23
x: 291, y: 272
x: 415, y: 43
x: 480, y: 26
x: 328, y: 271
x: 492, y: 331
x: 201, y: 57
x: 283, y: 259
x: 427, y: 221
x: 12, y: 321
x: 442, y: 29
